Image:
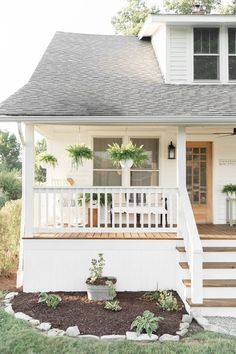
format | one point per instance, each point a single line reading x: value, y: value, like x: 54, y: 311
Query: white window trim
x: 229, y: 55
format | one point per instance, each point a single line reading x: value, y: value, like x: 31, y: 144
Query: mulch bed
x: 92, y: 318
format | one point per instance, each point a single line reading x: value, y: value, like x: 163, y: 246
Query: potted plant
x: 46, y: 160
x: 99, y: 287
x: 127, y: 155
x: 229, y: 189
x: 78, y: 153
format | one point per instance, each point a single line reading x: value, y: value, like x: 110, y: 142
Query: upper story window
x: 206, y: 54
x: 232, y: 53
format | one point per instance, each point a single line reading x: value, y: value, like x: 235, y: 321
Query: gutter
x: 22, y: 139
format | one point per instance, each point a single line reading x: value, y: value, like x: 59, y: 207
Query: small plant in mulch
x: 148, y: 323
x: 164, y: 298
x: 151, y: 296
x: 51, y: 300
x: 113, y: 306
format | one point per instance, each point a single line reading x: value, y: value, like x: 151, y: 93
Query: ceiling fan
x: 220, y: 135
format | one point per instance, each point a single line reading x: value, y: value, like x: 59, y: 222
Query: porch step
x: 211, y: 249
x: 212, y: 265
x: 213, y: 283
x: 214, y: 303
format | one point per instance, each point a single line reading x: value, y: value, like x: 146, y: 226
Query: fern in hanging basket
x: 78, y: 153
x: 119, y: 153
x: 45, y: 159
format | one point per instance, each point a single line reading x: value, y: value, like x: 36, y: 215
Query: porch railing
x: 105, y: 209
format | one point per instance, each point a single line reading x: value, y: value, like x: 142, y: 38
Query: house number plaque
x: 227, y: 162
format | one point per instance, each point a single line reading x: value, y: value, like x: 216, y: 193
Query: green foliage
x: 229, y: 188
x: 185, y: 7
x: 127, y: 152
x: 148, y: 323
x: 10, y: 186
x: 51, y: 300
x: 111, y: 288
x: 10, y: 216
x: 167, y: 301
x: 130, y: 19
x: 229, y: 9
x: 78, y: 153
x: 113, y: 306
x: 40, y: 173
x: 152, y: 296
x: 9, y: 152
x: 96, y: 270
x: 87, y: 198
x: 47, y: 158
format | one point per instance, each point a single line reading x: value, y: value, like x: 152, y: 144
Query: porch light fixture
x: 171, y: 151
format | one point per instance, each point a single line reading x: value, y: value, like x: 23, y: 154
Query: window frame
x: 229, y: 54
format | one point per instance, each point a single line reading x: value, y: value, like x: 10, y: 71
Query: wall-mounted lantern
x: 171, y: 151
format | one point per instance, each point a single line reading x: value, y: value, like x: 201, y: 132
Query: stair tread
x: 211, y: 249
x: 213, y: 283
x: 212, y: 265
x: 214, y: 303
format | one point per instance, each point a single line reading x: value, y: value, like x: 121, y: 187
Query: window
x: 232, y: 53
x: 104, y: 172
x: 206, y: 54
x: 148, y: 173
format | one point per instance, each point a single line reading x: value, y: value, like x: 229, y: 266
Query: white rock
x: 34, y: 322
x: 54, y: 332
x: 6, y: 302
x: 88, y: 336
x: 187, y: 318
x: 44, y: 326
x: 113, y: 337
x: 168, y: 337
x: 233, y: 332
x: 183, y: 325
x: 202, y: 321
x: 9, y: 310
x: 22, y: 316
x: 141, y: 338
x: 72, y: 331
x: 11, y: 295
x: 214, y: 328
x: 182, y: 332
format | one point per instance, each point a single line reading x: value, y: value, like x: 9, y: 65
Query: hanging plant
x: 127, y: 155
x: 229, y: 189
x: 78, y: 153
x: 45, y: 160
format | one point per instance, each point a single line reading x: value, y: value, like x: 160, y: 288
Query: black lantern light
x: 171, y: 151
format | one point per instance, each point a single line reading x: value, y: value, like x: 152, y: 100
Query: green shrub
x: 167, y: 301
x: 113, y: 306
x: 10, y: 216
x: 10, y: 186
x: 152, y: 296
x: 148, y: 323
x: 51, y: 300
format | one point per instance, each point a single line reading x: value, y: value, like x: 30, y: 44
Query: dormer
x: 194, y: 49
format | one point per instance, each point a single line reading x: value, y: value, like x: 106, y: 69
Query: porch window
x: 148, y: 173
x: 206, y: 54
x: 104, y: 172
x: 232, y: 53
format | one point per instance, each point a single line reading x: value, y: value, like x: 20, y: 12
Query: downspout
x: 19, y: 280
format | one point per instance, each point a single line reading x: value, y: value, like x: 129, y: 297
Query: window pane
x: 197, y: 40
x: 214, y: 40
x: 144, y: 178
x: 206, y: 67
x: 107, y: 178
x: 206, y: 40
x: 101, y: 158
x: 152, y: 148
x: 232, y: 68
x: 232, y: 40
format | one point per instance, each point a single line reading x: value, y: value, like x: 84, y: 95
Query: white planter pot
x: 126, y: 163
x: 44, y: 165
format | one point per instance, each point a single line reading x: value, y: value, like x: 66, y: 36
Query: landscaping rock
x: 88, y: 336
x: 183, y: 325
x: 182, y: 332
x: 187, y: 318
x: 56, y: 332
x: 72, y: 331
x: 44, y: 326
x: 202, y: 321
x: 10, y: 296
x: 34, y: 322
x: 22, y: 316
x: 8, y: 309
x: 214, y: 328
x: 141, y: 338
x: 113, y: 337
x: 168, y: 337
x: 233, y: 332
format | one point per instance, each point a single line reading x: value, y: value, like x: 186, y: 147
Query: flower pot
x: 99, y: 292
x: 44, y: 165
x: 126, y: 163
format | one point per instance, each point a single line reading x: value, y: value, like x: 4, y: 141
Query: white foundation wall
x: 63, y: 265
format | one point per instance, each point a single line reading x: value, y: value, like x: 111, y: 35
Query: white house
x: 163, y: 225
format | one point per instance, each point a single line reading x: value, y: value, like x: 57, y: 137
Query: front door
x: 199, y: 179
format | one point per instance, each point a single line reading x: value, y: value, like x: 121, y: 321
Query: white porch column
x: 28, y: 180
x: 181, y: 158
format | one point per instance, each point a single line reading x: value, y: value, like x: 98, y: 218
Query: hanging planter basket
x: 126, y: 163
x: 79, y: 153
x: 128, y: 155
x: 46, y: 160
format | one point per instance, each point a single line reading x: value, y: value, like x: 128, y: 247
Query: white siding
x: 159, y: 46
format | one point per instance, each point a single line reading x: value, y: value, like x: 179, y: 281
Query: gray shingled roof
x: 99, y: 75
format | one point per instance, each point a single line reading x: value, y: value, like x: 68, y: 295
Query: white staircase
x: 219, y: 278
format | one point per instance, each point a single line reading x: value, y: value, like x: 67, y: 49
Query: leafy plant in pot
x: 78, y: 153
x: 99, y: 287
x: 46, y: 160
x: 127, y: 155
x: 229, y: 189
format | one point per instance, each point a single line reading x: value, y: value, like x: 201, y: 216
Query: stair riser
x: 215, y: 293
x: 212, y: 256
x: 213, y: 274
x: 214, y: 311
x: 218, y: 243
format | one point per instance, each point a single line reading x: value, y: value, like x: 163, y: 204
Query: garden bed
x: 92, y: 318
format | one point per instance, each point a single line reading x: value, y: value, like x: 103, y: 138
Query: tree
x: 40, y: 173
x: 130, y: 19
x: 9, y: 152
x: 185, y: 7
x: 229, y: 9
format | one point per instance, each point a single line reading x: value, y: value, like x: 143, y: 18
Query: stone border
x: 207, y: 326
x: 73, y: 331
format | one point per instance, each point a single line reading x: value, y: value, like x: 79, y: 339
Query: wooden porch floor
x: 206, y: 232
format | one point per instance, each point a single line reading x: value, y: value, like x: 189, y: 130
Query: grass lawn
x: 18, y: 337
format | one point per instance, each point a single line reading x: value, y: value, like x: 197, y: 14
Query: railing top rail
x: 104, y: 187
